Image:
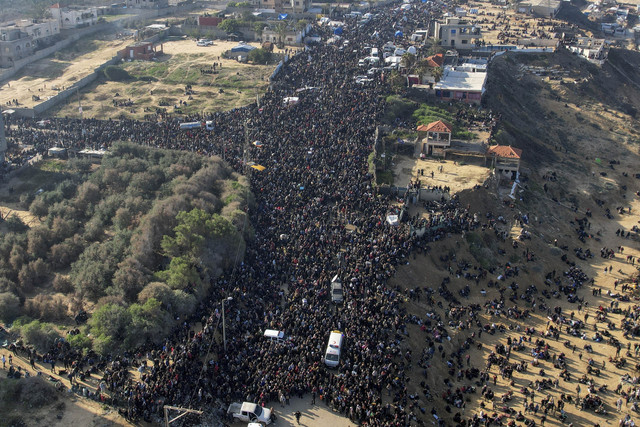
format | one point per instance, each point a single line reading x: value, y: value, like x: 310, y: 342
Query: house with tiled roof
x: 436, y: 60
x: 435, y: 137
x: 505, y: 159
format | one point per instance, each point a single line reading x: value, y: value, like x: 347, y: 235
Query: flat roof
x: 462, y: 81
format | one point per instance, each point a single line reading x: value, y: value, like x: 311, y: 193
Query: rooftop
x: 505, y: 151
x: 461, y: 80
x: 438, y: 126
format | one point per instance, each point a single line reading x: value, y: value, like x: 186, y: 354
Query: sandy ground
x: 318, y: 415
x: 77, y: 411
x: 457, y: 177
x: 234, y: 85
x: 41, y: 77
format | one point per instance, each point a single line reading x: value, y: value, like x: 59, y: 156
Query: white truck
x: 250, y: 412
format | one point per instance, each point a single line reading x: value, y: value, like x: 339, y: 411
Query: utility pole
x: 184, y: 411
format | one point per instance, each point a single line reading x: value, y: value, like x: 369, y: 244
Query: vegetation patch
x: 142, y: 237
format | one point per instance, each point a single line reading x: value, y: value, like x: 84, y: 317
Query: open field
x: 60, y: 70
x: 163, y: 84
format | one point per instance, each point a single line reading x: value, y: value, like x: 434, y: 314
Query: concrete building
x: 456, y: 33
x: 15, y: 44
x: 461, y: 84
x: 74, y: 17
x: 147, y: 4
x: 291, y: 36
x: 437, y: 138
x: 505, y: 159
x: 541, y: 8
x: 589, y: 48
x: 141, y: 50
x: 40, y: 32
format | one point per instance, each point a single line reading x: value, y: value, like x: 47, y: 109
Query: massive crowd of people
x: 316, y: 175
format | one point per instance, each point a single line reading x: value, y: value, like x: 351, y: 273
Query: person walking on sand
x: 4, y: 362
x: 298, y: 415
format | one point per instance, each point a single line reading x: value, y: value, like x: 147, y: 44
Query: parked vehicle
x: 250, y: 412
x: 197, y: 125
x: 334, y: 347
x: 336, y: 290
x: 204, y: 42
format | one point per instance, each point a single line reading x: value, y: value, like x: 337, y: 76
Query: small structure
x: 209, y: 21
x: 141, y: 50
x: 241, y: 51
x: 438, y: 137
x: 504, y: 159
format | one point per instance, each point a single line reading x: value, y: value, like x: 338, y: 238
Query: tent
x: 398, y: 33
x: 257, y: 144
x: 337, y: 31
x: 258, y: 167
x: 282, y: 16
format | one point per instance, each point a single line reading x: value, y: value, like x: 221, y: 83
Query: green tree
x: 109, y: 324
x: 258, y: 27
x: 149, y: 324
x: 259, y: 56
x: 40, y: 335
x: 229, y: 25
x: 408, y: 60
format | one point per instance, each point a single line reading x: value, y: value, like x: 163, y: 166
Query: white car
x: 204, y: 42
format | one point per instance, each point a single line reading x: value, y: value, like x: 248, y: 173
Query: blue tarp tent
x: 337, y: 31
x: 398, y: 33
x: 283, y: 16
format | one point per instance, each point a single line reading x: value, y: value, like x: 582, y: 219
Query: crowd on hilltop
x: 316, y: 173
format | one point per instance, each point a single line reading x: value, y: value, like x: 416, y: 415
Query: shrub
x: 62, y: 284
x: 41, y: 335
x: 116, y: 74
x: 46, y: 307
x: 80, y: 341
x: 9, y: 307
x: 15, y: 224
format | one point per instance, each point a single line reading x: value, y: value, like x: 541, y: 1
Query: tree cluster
x: 141, y: 237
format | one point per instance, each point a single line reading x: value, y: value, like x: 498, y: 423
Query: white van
x: 274, y: 335
x: 374, y: 52
x: 334, y: 347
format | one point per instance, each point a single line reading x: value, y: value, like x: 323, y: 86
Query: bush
x: 80, y: 341
x: 15, y: 224
x: 62, y: 284
x: 41, y: 335
x: 9, y: 307
x: 117, y: 74
x: 46, y: 307
x: 260, y: 56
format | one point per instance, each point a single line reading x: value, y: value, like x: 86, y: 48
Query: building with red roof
x: 505, y: 159
x: 437, y: 137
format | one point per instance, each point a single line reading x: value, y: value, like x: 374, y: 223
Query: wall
x: 72, y: 36
x: 18, y: 65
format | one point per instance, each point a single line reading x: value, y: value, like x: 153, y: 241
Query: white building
x: 589, y: 48
x: 74, y: 17
x: 461, y: 84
